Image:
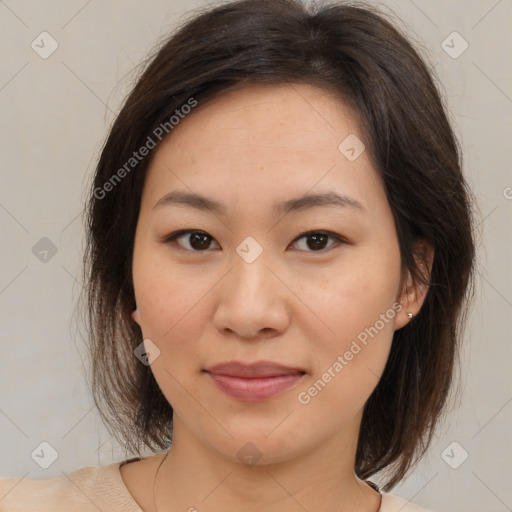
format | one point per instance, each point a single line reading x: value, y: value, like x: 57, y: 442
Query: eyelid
x: 340, y: 240
x: 170, y: 239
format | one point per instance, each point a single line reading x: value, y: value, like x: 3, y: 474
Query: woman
x: 280, y: 257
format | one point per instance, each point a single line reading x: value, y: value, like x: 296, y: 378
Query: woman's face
x: 247, y: 285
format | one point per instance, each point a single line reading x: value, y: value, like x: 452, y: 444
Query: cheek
x: 350, y: 297
x: 347, y: 365
x: 173, y: 317
x: 352, y: 334
x: 167, y: 294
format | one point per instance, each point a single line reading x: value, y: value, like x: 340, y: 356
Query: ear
x: 412, y: 292
x: 136, y: 316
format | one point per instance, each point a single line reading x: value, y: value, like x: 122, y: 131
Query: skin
x: 294, y: 304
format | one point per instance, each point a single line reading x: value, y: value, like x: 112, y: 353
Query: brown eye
x: 317, y: 240
x: 199, y: 241
x: 195, y: 241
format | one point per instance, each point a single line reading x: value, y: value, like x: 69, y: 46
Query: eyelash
x: 174, y: 236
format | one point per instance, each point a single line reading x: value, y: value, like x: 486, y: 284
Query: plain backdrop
x: 55, y: 113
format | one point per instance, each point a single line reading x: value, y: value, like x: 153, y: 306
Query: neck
x: 194, y: 477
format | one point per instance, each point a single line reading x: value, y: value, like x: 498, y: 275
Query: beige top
x: 101, y: 488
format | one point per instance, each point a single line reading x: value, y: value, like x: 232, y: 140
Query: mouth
x: 254, y: 382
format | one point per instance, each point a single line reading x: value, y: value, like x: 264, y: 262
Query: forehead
x: 262, y: 141
x: 257, y: 114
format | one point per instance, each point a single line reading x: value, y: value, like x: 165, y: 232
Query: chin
x: 258, y: 443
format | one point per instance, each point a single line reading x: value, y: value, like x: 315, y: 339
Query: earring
x: 409, y: 315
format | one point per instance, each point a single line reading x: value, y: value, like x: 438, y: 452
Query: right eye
x: 195, y: 240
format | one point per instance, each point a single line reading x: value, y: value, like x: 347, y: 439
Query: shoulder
x: 86, y: 489
x: 393, y: 503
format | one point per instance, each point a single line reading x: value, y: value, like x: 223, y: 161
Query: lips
x: 252, y: 370
x: 255, y: 381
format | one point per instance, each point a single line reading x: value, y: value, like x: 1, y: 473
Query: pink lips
x: 254, y: 382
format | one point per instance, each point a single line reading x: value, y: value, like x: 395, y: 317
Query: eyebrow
x: 297, y: 204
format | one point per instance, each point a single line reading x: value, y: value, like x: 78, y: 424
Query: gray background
x: 55, y: 115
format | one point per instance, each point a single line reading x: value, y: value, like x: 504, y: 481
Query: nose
x: 253, y: 303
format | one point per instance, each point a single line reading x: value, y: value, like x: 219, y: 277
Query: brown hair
x: 355, y: 52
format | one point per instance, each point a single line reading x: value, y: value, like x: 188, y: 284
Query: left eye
x: 318, y: 240
x: 199, y: 241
